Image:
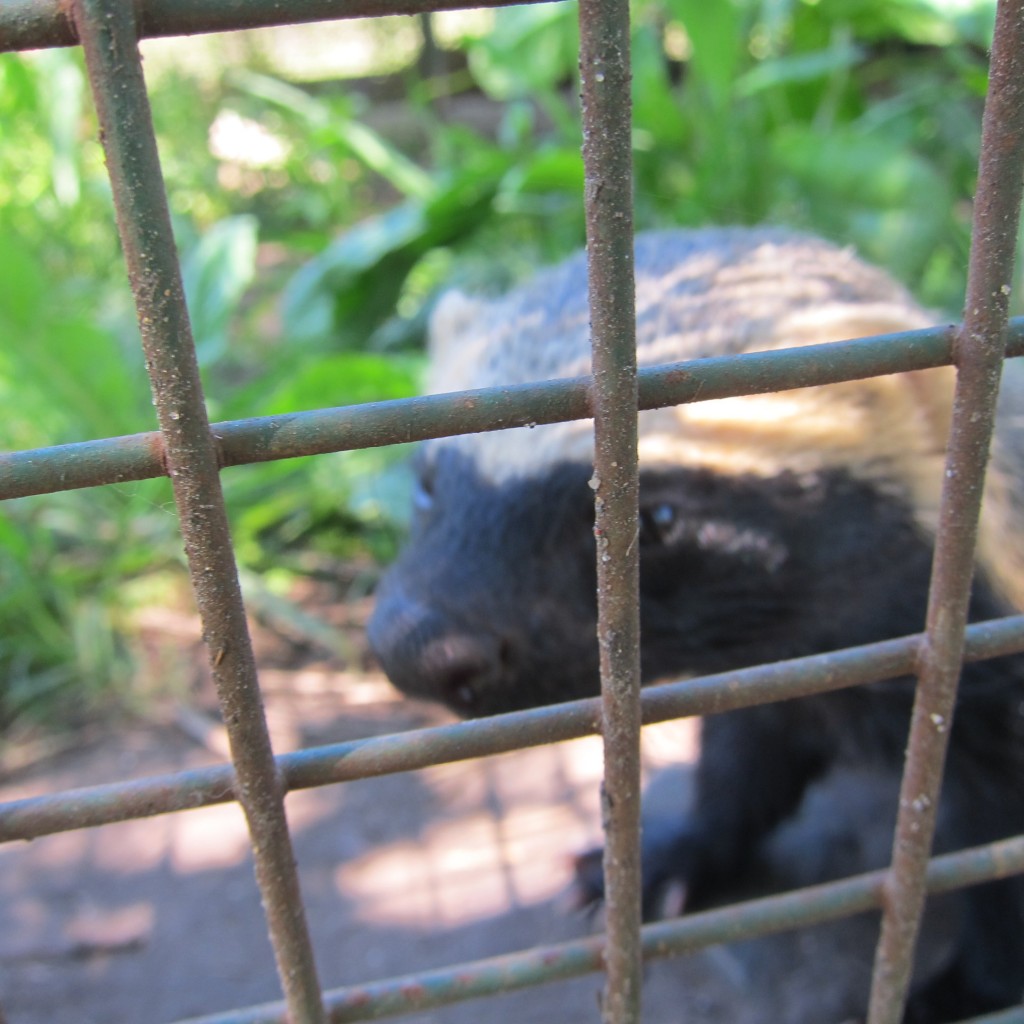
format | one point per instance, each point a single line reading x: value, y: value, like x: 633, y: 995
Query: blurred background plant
x: 327, y: 182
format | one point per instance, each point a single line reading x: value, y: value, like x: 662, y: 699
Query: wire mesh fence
x: 192, y: 452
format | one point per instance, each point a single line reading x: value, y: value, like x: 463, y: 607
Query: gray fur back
x: 699, y: 293
x: 732, y: 290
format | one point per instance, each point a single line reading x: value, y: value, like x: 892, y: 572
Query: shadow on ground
x: 159, y: 920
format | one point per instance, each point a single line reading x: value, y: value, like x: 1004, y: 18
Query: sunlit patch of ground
x: 159, y: 919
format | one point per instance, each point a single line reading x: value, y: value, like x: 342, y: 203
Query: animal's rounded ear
x: 452, y: 315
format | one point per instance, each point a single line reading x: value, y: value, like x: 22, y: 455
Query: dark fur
x: 491, y: 608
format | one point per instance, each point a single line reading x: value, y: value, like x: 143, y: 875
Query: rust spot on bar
x: 677, y: 377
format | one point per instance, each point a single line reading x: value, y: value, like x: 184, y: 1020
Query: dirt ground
x: 158, y: 920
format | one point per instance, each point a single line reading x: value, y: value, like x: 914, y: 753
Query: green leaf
x: 66, y: 88
x: 550, y: 169
x: 22, y: 286
x: 656, y: 113
x: 336, y: 129
x: 351, y: 288
x: 216, y: 273
x: 532, y: 49
x: 309, y: 300
x: 802, y: 67
x: 63, y: 378
x: 718, y: 32
x: 350, y: 378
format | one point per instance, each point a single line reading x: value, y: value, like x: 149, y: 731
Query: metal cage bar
x: 33, y: 24
x: 980, y: 353
x: 34, y: 817
x: 191, y: 452
x: 605, y: 78
x: 802, y: 908
x: 267, y: 438
x: 107, y: 31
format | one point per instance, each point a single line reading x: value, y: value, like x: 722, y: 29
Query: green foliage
x: 63, y: 558
x: 350, y: 289
x: 341, y: 503
x: 315, y: 240
x: 821, y: 116
x: 217, y: 273
x: 531, y: 53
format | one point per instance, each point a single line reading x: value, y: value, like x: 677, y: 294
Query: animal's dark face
x: 491, y: 606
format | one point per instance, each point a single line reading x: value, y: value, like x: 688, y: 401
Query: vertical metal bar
x: 980, y: 349
x: 109, y: 37
x: 605, y: 76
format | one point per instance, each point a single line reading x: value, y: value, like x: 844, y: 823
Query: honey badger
x: 771, y: 526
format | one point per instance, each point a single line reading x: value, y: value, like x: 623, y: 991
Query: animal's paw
x: 586, y: 890
x: 673, y: 850
x: 663, y: 889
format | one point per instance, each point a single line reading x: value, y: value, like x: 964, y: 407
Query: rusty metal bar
x: 263, y: 439
x: 605, y: 80
x: 980, y: 349
x: 33, y: 817
x: 32, y: 24
x: 107, y: 31
x: 766, y: 916
x: 1012, y: 1016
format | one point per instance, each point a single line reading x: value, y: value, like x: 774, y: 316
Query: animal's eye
x: 423, y: 493
x: 658, y: 522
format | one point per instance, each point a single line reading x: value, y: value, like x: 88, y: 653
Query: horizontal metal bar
x: 33, y: 24
x: 382, y: 755
x: 767, y: 916
x: 266, y: 438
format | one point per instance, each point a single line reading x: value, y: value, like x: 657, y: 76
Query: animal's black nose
x: 427, y: 654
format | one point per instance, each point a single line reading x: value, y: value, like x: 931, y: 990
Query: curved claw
x: 664, y: 890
